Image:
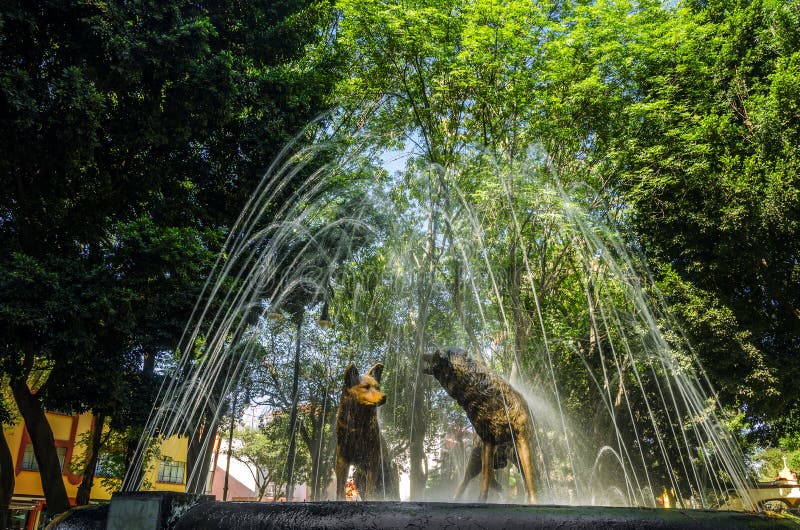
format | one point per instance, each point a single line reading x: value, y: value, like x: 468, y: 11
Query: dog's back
x: 495, y: 409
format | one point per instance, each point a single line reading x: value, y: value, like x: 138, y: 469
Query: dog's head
x: 441, y: 361
x: 366, y: 389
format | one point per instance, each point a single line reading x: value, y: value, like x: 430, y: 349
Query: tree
x: 7, y: 485
x: 264, y: 450
x: 471, y: 87
x: 468, y: 86
x: 308, y: 410
x: 296, y: 391
x: 297, y: 320
x: 130, y: 123
x: 769, y: 462
x: 708, y: 167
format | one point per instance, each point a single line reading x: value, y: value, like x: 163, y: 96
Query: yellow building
x: 168, y: 475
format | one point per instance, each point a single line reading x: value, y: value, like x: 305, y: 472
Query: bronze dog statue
x: 498, y: 413
x: 358, y: 438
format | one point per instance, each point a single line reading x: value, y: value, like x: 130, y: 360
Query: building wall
x: 67, y: 431
x: 174, y: 449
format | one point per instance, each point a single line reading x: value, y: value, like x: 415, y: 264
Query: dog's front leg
x: 342, y: 467
x: 487, y: 467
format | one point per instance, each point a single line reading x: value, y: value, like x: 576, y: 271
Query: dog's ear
x: 351, y: 376
x: 376, y: 371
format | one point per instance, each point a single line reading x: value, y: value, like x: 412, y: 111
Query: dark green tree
x: 133, y: 132
x: 709, y: 165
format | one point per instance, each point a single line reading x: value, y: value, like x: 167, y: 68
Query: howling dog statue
x: 498, y: 413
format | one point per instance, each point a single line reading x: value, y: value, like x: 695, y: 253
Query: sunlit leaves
x: 711, y: 178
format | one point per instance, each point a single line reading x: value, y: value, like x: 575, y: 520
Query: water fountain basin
x: 406, y: 515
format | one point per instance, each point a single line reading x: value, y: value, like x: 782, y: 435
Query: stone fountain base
x: 417, y: 515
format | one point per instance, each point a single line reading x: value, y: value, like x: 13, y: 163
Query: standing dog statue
x: 358, y: 439
x: 498, y: 413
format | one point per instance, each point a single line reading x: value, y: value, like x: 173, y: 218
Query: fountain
x: 623, y: 415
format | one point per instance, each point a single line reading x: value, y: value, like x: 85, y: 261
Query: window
x: 171, y: 471
x: 29, y: 462
x: 29, y: 459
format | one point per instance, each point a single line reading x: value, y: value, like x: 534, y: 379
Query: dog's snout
x: 382, y: 400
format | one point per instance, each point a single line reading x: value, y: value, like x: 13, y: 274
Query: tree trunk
x: 317, y: 448
x: 198, y: 457
x: 44, y: 447
x: 520, y: 322
x: 459, y: 304
x: 293, y: 413
x: 192, y: 455
x: 230, y: 449
x: 6, y: 481
x: 133, y: 434
x: 85, y: 489
x: 131, y: 447
x: 417, y: 457
x: 314, y: 446
x: 321, y: 451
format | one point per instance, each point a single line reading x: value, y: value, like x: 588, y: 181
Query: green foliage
x: 708, y: 168
x: 441, y: 75
x: 744, y: 378
x: 109, y: 475
x: 112, y: 459
x: 770, y: 461
x: 264, y: 450
x: 134, y: 132
x: 674, y: 124
x: 8, y: 410
x: 137, y: 130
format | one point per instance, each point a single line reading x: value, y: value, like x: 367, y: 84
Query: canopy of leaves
x: 134, y: 133
x: 709, y: 166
